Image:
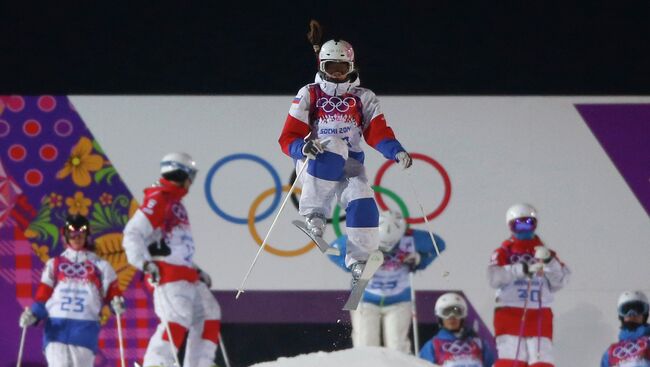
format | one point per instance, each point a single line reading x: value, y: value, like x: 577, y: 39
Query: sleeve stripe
x: 293, y: 129
x: 377, y: 131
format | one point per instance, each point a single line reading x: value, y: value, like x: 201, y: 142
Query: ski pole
x: 417, y: 200
x: 523, y: 321
x: 539, y: 317
x: 163, y: 320
x: 414, y: 317
x: 222, y: 346
x: 120, y: 339
x: 22, y: 345
x: 250, y: 268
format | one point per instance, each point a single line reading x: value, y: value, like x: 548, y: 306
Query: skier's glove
x: 413, y: 260
x: 312, y: 148
x: 153, y: 271
x: 543, y: 253
x: 118, y: 305
x: 205, y: 278
x: 536, y: 269
x: 404, y: 159
x: 27, y: 318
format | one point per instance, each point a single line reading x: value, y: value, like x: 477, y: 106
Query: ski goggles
x: 631, y: 309
x: 527, y: 224
x: 453, y: 311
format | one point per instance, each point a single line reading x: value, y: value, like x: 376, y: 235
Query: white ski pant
x: 333, y: 175
x: 66, y: 355
x: 369, y: 320
x: 191, y: 310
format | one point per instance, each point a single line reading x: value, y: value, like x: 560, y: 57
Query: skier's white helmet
x: 451, y: 305
x: 632, y: 302
x: 336, y: 51
x: 179, y: 165
x: 520, y: 211
x: 392, y: 227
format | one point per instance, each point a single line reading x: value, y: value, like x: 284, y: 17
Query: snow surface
x: 355, y: 357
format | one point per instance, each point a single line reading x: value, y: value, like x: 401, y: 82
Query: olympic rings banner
x: 277, y: 191
x: 575, y: 158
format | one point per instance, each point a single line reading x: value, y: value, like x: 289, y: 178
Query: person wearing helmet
x: 633, y: 346
x: 386, y: 303
x: 526, y: 275
x: 158, y: 241
x: 455, y: 344
x: 74, y: 287
x: 324, y: 129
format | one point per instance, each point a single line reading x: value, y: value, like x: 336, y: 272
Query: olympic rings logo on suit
x: 330, y: 104
x: 630, y: 348
x: 76, y: 270
x: 457, y: 347
x: 276, y: 191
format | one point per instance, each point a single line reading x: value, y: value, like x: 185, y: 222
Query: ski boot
x: 357, y: 269
x: 314, y: 227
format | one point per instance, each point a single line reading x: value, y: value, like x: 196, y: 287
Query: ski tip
x: 297, y: 223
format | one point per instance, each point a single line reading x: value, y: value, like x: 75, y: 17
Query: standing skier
x: 158, y: 240
x: 323, y: 129
x: 633, y: 346
x: 386, y: 303
x: 526, y: 275
x: 455, y: 344
x: 74, y: 287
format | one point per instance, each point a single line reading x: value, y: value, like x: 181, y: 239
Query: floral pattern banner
x: 52, y: 166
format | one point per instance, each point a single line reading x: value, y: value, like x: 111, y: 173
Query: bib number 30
x: 523, y: 294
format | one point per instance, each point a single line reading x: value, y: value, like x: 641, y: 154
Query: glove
x: 205, y: 278
x: 536, y: 269
x: 413, y: 259
x: 117, y: 303
x: 27, y: 318
x: 312, y: 148
x: 404, y: 159
x: 543, y: 253
x: 153, y: 271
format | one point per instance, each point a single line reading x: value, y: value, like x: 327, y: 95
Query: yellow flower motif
x: 81, y: 163
x: 55, y: 200
x: 78, y: 204
x: 41, y: 252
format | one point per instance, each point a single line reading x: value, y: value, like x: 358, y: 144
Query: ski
x: 320, y: 242
x: 375, y: 260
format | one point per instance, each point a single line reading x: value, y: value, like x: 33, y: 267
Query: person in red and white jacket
x: 158, y: 240
x: 74, y: 287
x: 526, y: 275
x: 324, y: 129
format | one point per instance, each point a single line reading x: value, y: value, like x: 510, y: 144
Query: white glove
x: 404, y: 159
x: 205, y: 278
x: 542, y: 253
x: 151, y: 269
x: 117, y: 303
x: 413, y: 259
x: 536, y: 269
x: 312, y: 148
x: 27, y: 318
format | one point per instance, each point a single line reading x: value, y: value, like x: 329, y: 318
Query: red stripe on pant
x: 507, y: 321
x: 211, y: 329
x: 178, y: 334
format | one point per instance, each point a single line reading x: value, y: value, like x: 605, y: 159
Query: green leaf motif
x: 43, y: 226
x: 105, y: 173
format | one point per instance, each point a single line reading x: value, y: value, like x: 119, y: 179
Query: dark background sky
x: 403, y: 47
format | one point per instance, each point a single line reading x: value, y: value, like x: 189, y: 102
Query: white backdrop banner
x: 476, y: 157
